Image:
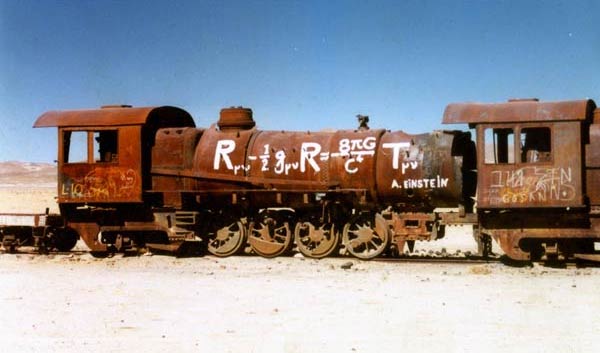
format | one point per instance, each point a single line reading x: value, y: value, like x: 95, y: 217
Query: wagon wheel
x: 64, y: 239
x: 226, y: 238
x: 362, y: 239
x: 9, y: 243
x: 270, y: 235
x: 316, y: 241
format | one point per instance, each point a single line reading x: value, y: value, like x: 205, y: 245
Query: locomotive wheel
x: 58, y: 238
x: 66, y: 240
x: 316, y: 241
x: 226, y: 240
x: 270, y: 235
x: 364, y: 241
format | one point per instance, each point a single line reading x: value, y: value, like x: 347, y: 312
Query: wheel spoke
x: 226, y: 240
x: 270, y: 235
x: 366, y: 236
x: 316, y: 240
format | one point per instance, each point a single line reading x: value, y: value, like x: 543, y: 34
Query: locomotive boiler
x: 148, y: 177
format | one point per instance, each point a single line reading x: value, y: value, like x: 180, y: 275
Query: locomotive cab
x: 104, y: 162
x: 533, y: 188
x: 104, y: 155
x: 530, y: 153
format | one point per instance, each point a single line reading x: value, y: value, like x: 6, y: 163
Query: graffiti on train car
x: 355, y: 150
x: 533, y: 184
x: 425, y: 183
x: 102, y: 184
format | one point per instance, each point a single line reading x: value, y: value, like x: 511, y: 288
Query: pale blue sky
x: 298, y: 64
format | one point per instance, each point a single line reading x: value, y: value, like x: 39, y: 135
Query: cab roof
x: 518, y: 111
x: 165, y: 116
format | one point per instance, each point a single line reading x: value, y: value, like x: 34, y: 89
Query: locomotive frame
x: 149, y: 178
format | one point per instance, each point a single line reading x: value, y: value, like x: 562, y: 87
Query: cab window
x: 499, y: 145
x: 90, y: 146
x: 536, y: 146
x: 105, y: 146
x: 75, y: 147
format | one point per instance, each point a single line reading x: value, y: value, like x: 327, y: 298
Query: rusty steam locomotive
x: 147, y: 177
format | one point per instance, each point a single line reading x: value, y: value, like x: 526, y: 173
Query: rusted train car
x: 538, y: 175
x: 147, y: 177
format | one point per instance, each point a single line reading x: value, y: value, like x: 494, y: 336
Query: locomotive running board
x: 588, y: 257
x: 189, y: 247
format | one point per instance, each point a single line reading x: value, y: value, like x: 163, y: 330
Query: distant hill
x: 14, y: 173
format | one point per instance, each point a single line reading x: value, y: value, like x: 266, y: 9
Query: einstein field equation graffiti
x: 312, y: 156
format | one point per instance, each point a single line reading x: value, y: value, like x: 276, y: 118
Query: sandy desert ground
x: 77, y: 303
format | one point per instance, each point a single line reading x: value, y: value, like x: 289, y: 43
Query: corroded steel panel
x: 220, y: 158
x: 94, y: 181
x: 517, y: 111
x: 593, y: 185
x: 173, y: 152
x: 521, y: 183
x: 161, y: 116
x: 99, y: 184
x: 353, y: 158
x: 289, y: 159
x: 592, y: 162
x: 592, y: 151
x: 418, y: 169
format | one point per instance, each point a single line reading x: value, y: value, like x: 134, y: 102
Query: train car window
x: 536, y: 145
x: 499, y: 145
x: 75, y: 147
x: 105, y: 146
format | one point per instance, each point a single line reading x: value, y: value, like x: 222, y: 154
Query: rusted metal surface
x: 366, y: 235
x: 239, y: 118
x: 106, y: 165
x: 271, y: 234
x: 173, y: 151
x: 415, y: 169
x: 517, y: 111
x: 537, y: 167
x: 414, y: 226
x: 520, y: 182
x: 95, y: 179
x: 529, y: 153
x: 418, y: 170
x: 232, y: 170
x: 43, y: 231
x: 106, y: 174
x: 20, y: 229
x: 592, y: 162
x: 289, y: 157
x: 142, y: 170
x: 315, y: 238
x: 104, y: 161
x: 116, y: 116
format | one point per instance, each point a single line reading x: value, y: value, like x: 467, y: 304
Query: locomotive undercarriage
x: 544, y: 235
x: 316, y: 224
x: 275, y: 231
x: 271, y: 223
x: 46, y: 232
x: 313, y: 223
x: 329, y: 224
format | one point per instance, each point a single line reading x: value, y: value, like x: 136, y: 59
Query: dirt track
x: 76, y: 303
